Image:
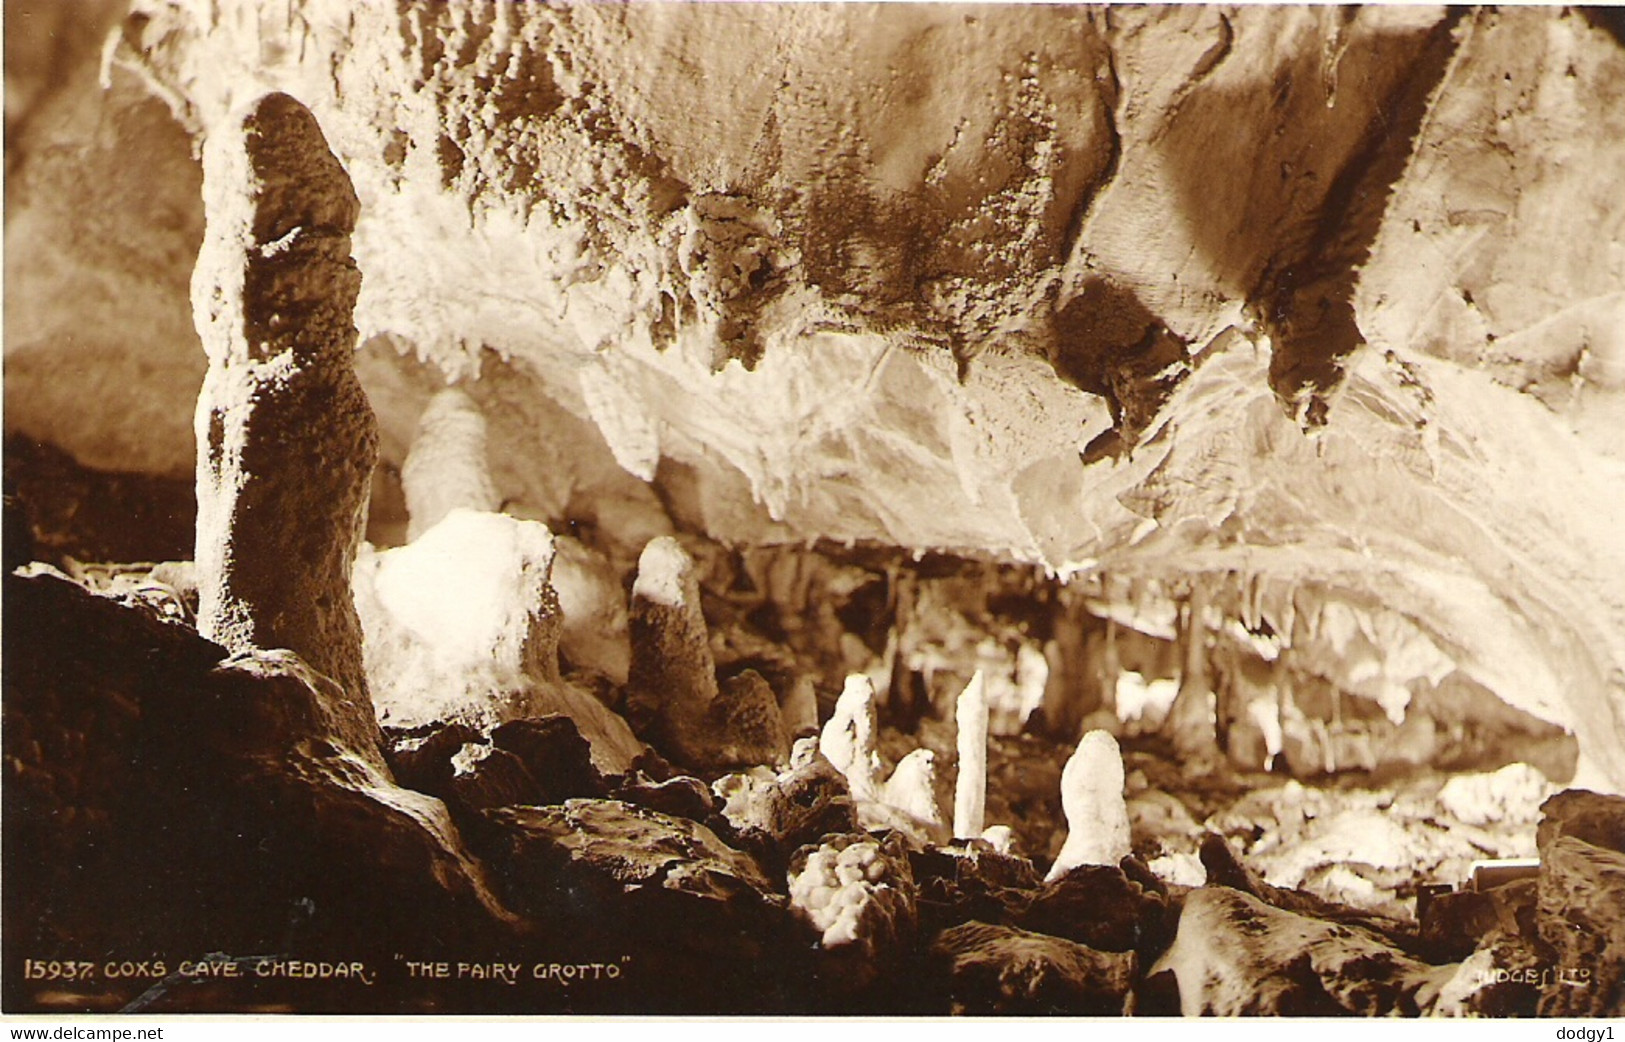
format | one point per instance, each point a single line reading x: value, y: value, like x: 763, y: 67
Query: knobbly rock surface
x: 999, y: 970
x: 1101, y: 907
x: 673, y: 697
x: 971, y: 883
x: 856, y: 896
x: 1588, y: 816
x: 287, y: 440
x: 780, y: 813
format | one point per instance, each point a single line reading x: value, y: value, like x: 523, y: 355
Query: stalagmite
x: 1192, y: 720
x: 446, y: 466
x: 672, y: 692
x: 1096, y: 813
x: 970, y: 787
x: 462, y: 625
x: 287, y: 440
x: 672, y: 670
x: 912, y: 787
x: 848, y: 737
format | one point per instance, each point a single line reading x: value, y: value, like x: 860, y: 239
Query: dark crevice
x: 1306, y: 294
x: 1109, y: 344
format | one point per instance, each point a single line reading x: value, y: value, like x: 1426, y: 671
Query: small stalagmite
x: 848, y: 737
x: 912, y: 788
x: 672, y: 669
x: 446, y: 467
x: 673, y: 698
x: 1096, y: 812
x: 970, y: 788
x: 287, y: 440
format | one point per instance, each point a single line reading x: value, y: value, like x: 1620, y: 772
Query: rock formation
x: 1097, y: 828
x: 1235, y: 956
x: 912, y: 788
x: 286, y: 438
x: 446, y: 467
x: 462, y: 625
x: 999, y: 970
x: 673, y: 697
x: 848, y: 738
x: 970, y: 784
x: 856, y: 895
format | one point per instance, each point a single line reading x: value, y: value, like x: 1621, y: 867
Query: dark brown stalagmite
x: 286, y: 438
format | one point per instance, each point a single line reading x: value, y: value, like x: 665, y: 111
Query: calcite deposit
x: 1096, y: 814
x: 817, y: 508
x: 287, y: 439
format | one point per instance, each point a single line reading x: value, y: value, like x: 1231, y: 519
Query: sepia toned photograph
x: 813, y: 510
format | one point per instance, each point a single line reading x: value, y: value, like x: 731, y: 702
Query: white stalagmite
x: 912, y: 787
x: 970, y: 788
x: 446, y: 467
x: 848, y: 738
x: 1002, y: 837
x: 1096, y: 813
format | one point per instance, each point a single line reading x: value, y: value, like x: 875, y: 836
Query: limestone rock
x: 594, y: 607
x: 1456, y: 924
x: 462, y: 626
x: 555, y: 755
x: 287, y: 440
x: 970, y: 884
x: 1236, y: 956
x: 484, y: 777
x: 1504, y: 977
x: 672, y: 671
x: 1512, y: 794
x: 1225, y: 869
x: 447, y: 468
x: 999, y: 970
x: 911, y: 788
x: 856, y: 895
x: 784, y: 812
x: 746, y: 723
x: 1096, y: 815
x: 1168, y: 286
x: 1581, y: 916
x: 1101, y: 907
x: 119, y: 727
x: 673, y: 697
x: 679, y: 797
x: 696, y: 917
x: 420, y: 758
x: 1596, y: 818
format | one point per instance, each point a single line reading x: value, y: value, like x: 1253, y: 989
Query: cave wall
x: 1317, y: 305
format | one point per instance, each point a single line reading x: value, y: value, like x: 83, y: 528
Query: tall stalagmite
x: 286, y: 438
